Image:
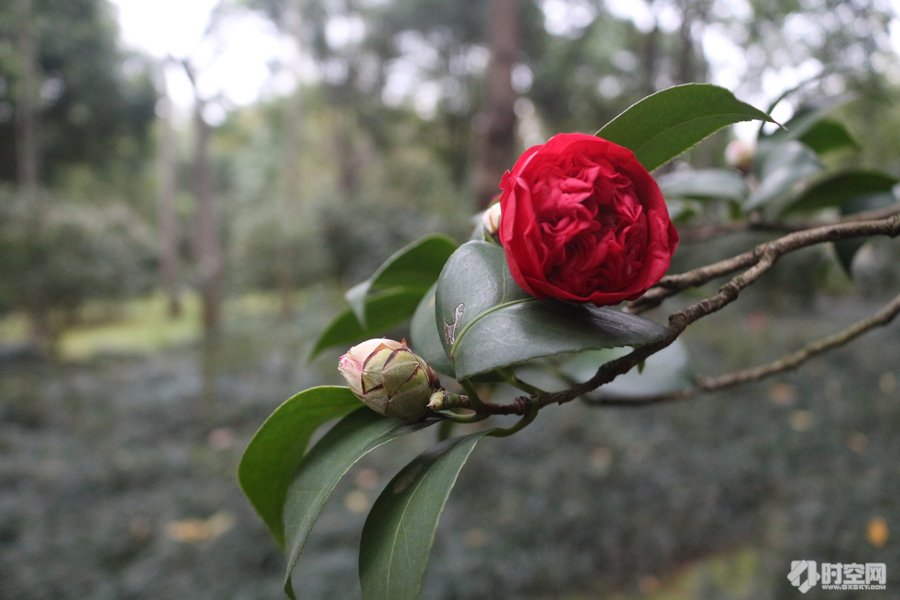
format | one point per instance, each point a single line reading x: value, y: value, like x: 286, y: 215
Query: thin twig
x: 757, y: 262
x: 785, y: 363
x: 673, y: 284
x: 791, y: 361
x: 711, y: 384
x: 702, y: 233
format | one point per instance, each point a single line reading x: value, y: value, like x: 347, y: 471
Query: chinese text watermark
x: 806, y: 574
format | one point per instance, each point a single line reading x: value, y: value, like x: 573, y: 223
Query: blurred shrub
x: 56, y: 254
x: 402, y: 196
x: 266, y: 243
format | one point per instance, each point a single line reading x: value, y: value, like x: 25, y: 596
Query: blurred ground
x: 117, y: 474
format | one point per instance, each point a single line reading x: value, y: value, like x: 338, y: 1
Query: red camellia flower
x: 582, y: 220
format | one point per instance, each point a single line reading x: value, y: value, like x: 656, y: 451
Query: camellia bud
x: 389, y: 378
x: 740, y: 154
x: 491, y: 218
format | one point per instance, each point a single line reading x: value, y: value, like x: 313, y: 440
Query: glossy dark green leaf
x: 784, y: 168
x: 667, y: 123
x: 357, y: 434
x: 828, y: 134
x: 425, y: 339
x: 846, y: 249
x: 413, y: 268
x: 841, y: 188
x: 703, y: 184
x: 270, y: 460
x: 400, y: 529
x: 532, y: 329
x: 487, y: 322
x: 474, y: 280
x: 386, y: 309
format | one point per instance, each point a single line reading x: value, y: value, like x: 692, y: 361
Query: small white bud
x: 491, y: 218
x: 739, y: 154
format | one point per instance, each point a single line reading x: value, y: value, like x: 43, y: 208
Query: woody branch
x: 755, y: 262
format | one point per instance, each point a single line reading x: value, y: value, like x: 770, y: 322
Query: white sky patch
x: 732, y: 9
x: 342, y: 31
x: 894, y: 32
x: 235, y: 63
x: 664, y: 15
x: 636, y: 11
x: 164, y: 26
x: 563, y: 17
x: 239, y: 62
x: 726, y: 59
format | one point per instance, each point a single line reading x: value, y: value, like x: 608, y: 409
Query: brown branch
x: 757, y: 262
x: 711, y: 384
x: 785, y: 363
x: 702, y: 233
x: 673, y: 284
x: 791, y: 361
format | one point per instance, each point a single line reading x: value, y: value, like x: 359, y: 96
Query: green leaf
x: 667, y: 123
x: 796, y: 88
x: 666, y: 371
x: 387, y: 309
x: 413, y: 268
x: 533, y: 329
x: 324, y: 466
x: 827, y: 135
x: 816, y: 129
x: 400, y: 529
x: 268, y: 464
x: 426, y: 341
x: 838, y: 189
x: 784, y: 167
x: 487, y: 322
x: 703, y: 184
x: 846, y: 249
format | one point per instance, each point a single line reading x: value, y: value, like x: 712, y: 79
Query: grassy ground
x: 117, y: 472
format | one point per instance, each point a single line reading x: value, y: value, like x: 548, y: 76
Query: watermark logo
x: 806, y: 574
x: 803, y: 575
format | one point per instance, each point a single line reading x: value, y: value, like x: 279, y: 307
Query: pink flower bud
x: 389, y: 378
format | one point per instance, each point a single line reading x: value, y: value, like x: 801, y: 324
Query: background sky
x: 240, y: 63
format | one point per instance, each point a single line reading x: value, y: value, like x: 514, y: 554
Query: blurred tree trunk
x: 43, y: 334
x: 207, y: 252
x: 168, y: 218
x: 27, y: 149
x: 206, y: 246
x: 686, y: 60
x: 345, y: 100
x: 291, y: 22
x: 290, y: 192
x: 694, y: 14
x: 691, y: 67
x: 495, y: 132
x: 650, y: 50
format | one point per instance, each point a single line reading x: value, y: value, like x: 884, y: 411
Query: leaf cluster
x: 471, y: 322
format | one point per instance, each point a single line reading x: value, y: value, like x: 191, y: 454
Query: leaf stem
x: 463, y: 419
x: 533, y: 408
x: 475, y: 402
x: 510, y: 376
